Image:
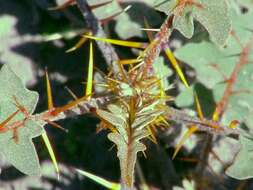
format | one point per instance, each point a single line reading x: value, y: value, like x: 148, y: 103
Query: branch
x: 204, y: 125
x: 78, y: 107
x: 107, y: 49
x: 243, y: 60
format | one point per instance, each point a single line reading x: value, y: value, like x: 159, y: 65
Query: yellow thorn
x: 49, y: 92
x: 77, y: 45
x: 183, y: 79
x: 119, y: 42
x: 51, y: 153
x: 89, y: 85
x: 215, y: 116
x: 129, y: 61
x: 100, y: 180
x: 199, y: 109
x: 151, y: 133
x: 189, y: 132
x: 176, y: 66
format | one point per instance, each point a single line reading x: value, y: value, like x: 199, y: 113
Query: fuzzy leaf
x: 106, y: 10
x: 214, y: 66
x: 127, y: 152
x: 212, y: 14
x: 128, y: 135
x: 242, y: 167
x: 20, y: 154
x: 162, y: 71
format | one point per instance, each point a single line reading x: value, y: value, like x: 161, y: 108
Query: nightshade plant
x: 132, y: 102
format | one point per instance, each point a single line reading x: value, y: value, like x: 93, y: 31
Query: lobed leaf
x: 20, y: 152
x: 214, y: 67
x: 128, y: 134
x: 212, y: 14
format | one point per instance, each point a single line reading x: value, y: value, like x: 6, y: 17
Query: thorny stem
x: 203, y: 125
x: 156, y: 46
x: 243, y: 59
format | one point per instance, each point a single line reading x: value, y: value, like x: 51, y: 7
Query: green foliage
x: 20, y: 152
x: 241, y: 167
x: 127, y: 138
x: 212, y: 14
x: 214, y: 67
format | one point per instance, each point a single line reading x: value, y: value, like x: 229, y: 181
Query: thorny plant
x: 134, y: 102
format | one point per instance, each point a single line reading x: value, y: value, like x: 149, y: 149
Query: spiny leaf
x: 128, y: 135
x: 20, y: 152
x: 127, y: 153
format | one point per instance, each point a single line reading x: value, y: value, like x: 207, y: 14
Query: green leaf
x: 214, y: 66
x: 213, y: 15
x: 106, y: 10
x: 242, y: 167
x: 185, y: 98
x: 20, y: 153
x: 248, y: 4
x: 162, y: 72
x: 128, y: 135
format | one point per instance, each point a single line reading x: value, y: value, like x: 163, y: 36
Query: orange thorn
x: 234, y: 124
x: 56, y: 125
x: 3, y: 123
x: 49, y: 92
